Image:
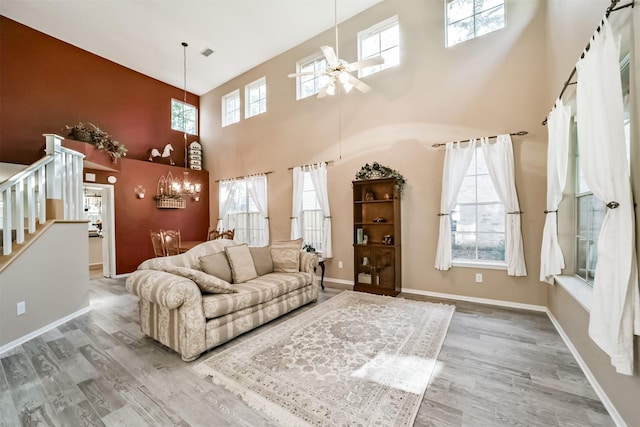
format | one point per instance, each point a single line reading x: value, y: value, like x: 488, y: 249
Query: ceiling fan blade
x: 359, y: 84
x: 370, y: 62
x: 330, y: 55
x: 306, y: 73
x: 323, y: 90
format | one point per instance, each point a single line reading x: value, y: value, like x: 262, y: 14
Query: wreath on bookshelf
x: 377, y: 171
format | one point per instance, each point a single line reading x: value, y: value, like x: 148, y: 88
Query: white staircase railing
x: 58, y: 175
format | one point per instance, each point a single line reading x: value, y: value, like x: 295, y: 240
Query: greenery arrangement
x: 376, y: 170
x: 88, y: 132
x: 307, y: 247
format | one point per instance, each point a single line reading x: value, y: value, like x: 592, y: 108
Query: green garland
x: 376, y: 170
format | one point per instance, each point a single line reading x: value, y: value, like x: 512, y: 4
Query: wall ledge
x: 578, y: 289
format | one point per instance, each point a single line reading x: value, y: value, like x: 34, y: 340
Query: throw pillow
x: 205, y: 282
x: 217, y: 265
x: 286, y: 255
x: 262, y: 260
x: 241, y: 263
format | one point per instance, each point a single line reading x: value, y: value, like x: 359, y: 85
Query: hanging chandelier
x: 186, y: 186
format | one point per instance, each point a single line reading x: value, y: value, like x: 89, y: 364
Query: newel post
x: 55, y: 174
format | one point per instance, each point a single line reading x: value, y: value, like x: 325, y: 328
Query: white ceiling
x: 146, y: 35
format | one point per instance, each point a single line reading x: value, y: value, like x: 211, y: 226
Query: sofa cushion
x: 262, y: 260
x: 217, y: 265
x: 253, y: 292
x: 286, y: 255
x: 206, y: 282
x: 241, y: 263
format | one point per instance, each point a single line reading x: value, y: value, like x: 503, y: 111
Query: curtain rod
x: 245, y: 176
x: 522, y: 132
x: 328, y: 162
x: 612, y: 8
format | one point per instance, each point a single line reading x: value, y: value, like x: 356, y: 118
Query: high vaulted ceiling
x: 146, y: 35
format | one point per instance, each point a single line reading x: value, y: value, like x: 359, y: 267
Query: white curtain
x: 615, y: 311
x: 499, y: 159
x: 318, y: 175
x: 226, y: 195
x: 296, y: 206
x: 558, y: 124
x: 456, y: 163
x: 257, y: 188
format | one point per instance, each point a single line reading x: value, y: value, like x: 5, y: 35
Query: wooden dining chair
x: 214, y: 234
x: 171, y: 239
x: 157, y: 241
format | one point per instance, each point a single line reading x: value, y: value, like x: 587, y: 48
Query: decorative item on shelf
x: 377, y: 171
x: 369, y: 196
x: 365, y: 239
x: 88, y: 132
x: 359, y: 236
x: 365, y: 261
x: 387, y: 239
x: 379, y: 219
x: 166, y: 152
x: 195, y: 156
x: 387, y: 196
x: 139, y: 190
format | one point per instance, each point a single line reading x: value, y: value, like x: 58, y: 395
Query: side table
x: 321, y: 264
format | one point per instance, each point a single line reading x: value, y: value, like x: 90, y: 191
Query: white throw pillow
x: 241, y: 263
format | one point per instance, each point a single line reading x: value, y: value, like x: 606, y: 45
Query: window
x: 312, y: 217
x: 467, y: 19
x: 255, y: 98
x: 231, y: 108
x: 243, y: 215
x: 478, y: 218
x: 590, y: 210
x: 310, y: 85
x: 184, y: 117
x: 383, y: 39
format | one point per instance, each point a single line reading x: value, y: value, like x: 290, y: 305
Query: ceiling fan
x: 338, y: 70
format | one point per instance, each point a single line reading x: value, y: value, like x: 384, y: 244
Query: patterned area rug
x: 356, y: 360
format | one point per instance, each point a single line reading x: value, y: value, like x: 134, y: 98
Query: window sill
x: 475, y: 264
x: 578, y: 289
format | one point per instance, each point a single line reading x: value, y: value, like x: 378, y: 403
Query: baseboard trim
x: 340, y: 281
x: 485, y: 301
x: 42, y: 330
x: 613, y: 412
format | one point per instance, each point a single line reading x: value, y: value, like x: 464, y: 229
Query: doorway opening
x: 99, y: 211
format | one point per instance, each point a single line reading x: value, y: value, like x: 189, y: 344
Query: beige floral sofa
x: 197, y: 300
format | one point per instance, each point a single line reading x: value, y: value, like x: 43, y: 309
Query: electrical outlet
x: 22, y: 308
x: 478, y: 277
x: 339, y: 264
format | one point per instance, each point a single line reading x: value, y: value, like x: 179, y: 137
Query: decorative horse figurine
x: 165, y: 153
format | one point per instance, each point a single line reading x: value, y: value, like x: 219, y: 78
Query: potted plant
x: 307, y: 247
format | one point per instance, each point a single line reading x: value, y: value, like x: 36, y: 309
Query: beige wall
x: 568, y: 31
x: 52, y: 284
x: 489, y: 85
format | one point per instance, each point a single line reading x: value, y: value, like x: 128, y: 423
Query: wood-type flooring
x: 498, y: 367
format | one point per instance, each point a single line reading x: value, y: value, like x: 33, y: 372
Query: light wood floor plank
x: 497, y: 367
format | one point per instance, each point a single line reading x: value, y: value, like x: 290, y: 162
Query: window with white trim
x: 231, y: 108
x: 310, y: 85
x: 255, y: 98
x: 478, y: 218
x: 382, y: 39
x: 184, y: 117
x: 312, y: 217
x: 467, y: 19
x: 243, y: 215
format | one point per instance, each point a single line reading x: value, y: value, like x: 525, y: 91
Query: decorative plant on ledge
x: 376, y: 171
x: 88, y: 132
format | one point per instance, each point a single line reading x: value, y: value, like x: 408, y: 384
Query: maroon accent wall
x: 135, y: 217
x: 46, y: 84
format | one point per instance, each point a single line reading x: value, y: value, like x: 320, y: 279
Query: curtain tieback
x: 548, y: 212
x: 515, y: 213
x: 293, y: 217
x: 613, y: 205
x: 327, y: 217
x: 443, y: 214
x: 266, y: 217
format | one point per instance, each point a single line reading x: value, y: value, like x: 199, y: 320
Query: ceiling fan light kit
x: 338, y: 71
